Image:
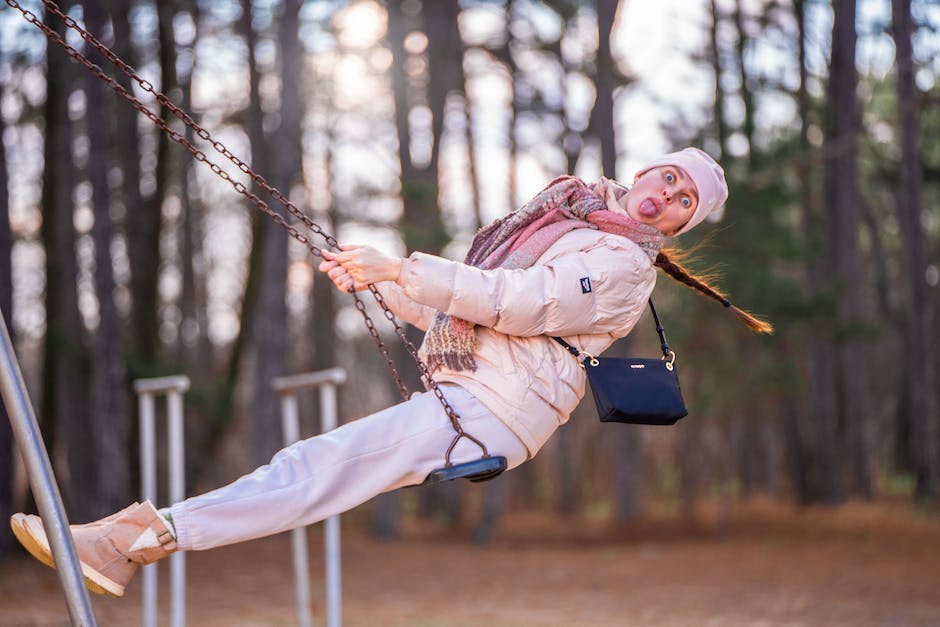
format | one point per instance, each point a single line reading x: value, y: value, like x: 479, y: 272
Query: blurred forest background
x: 409, y: 124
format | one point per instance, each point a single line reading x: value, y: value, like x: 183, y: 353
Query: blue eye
x: 686, y: 202
x: 670, y: 177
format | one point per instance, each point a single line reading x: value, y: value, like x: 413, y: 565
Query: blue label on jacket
x: 585, y: 284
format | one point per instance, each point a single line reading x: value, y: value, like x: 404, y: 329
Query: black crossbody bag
x: 634, y: 391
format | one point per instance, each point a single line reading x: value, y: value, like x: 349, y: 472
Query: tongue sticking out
x: 648, y: 209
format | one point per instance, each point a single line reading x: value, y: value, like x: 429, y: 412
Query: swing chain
x: 199, y: 155
x: 240, y: 187
x: 179, y: 138
x: 361, y: 306
x: 184, y: 117
x: 427, y: 376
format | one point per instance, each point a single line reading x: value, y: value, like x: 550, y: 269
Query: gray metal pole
x: 42, y: 482
x: 148, y: 490
x: 290, y: 425
x: 334, y: 593
x: 174, y: 401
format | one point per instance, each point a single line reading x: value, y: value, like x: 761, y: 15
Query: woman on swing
x: 576, y: 261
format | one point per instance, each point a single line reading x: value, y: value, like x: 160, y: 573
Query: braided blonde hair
x: 670, y: 260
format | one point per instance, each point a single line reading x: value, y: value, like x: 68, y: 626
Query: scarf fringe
x: 452, y: 361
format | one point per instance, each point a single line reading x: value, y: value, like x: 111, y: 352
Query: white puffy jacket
x: 590, y: 288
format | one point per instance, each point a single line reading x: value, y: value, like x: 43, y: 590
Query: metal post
x: 173, y: 387
x: 290, y: 423
x: 148, y: 491
x: 43, y: 484
x: 288, y: 387
x: 177, y: 494
x: 334, y: 608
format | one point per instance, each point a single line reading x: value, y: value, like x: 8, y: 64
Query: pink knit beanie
x: 708, y: 176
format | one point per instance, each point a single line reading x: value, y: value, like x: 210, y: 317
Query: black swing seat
x: 478, y: 470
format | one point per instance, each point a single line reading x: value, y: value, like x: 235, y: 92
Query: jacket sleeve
x: 600, y: 290
x: 413, y: 313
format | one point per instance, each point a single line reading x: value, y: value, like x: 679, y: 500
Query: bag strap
x: 667, y: 353
x: 660, y: 331
x: 568, y: 347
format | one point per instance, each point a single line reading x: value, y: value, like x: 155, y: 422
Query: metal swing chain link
x: 184, y: 117
x: 176, y: 136
x: 426, y: 373
x: 242, y: 189
x: 197, y: 154
x: 219, y: 147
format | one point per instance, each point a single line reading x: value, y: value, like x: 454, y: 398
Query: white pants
x: 313, y: 479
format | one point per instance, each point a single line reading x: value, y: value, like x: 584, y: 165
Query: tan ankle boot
x: 110, y: 550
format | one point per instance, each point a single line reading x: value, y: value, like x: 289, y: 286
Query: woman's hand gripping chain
x: 356, y: 266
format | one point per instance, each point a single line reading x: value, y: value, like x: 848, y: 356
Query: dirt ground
x: 766, y: 564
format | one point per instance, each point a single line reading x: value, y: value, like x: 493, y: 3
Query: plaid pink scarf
x: 521, y: 237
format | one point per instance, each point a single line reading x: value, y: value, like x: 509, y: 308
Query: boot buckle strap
x: 166, y: 539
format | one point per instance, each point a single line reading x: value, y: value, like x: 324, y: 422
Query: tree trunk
x: 136, y: 212
x: 603, y: 113
x: 569, y: 461
x: 444, y: 53
x: 470, y: 138
x: 445, y: 61
x: 469, y: 135
x: 626, y: 449
x: 414, y: 190
x: 817, y: 431
x: 224, y: 408
x: 753, y: 445
x: 513, y: 72
x: 747, y: 97
x: 691, y: 445
x: 921, y: 372
x: 6, y: 307
x: 323, y: 293
x: 108, y: 417
x: 721, y: 127
x: 842, y: 198
x: 422, y: 226
x: 137, y: 217
x: 145, y: 222
x: 324, y: 333
x: 195, y: 353
x: 494, y: 504
x: 259, y: 222
x: 569, y: 475
x: 64, y: 405
x: 627, y: 446
x: 270, y: 335
x: 795, y: 418
x: 572, y: 139
x: 691, y: 467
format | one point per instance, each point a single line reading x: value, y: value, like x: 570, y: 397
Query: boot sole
x: 33, y: 538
